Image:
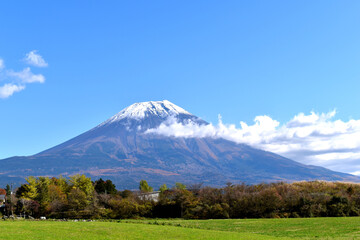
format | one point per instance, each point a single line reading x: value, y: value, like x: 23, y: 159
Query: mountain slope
x: 121, y: 150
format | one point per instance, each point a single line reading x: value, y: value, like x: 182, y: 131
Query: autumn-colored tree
x: 57, y: 198
x: 75, y: 198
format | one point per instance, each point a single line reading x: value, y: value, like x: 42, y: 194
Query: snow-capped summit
x: 141, y: 116
x: 141, y: 110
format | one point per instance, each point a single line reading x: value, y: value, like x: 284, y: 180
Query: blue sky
x: 240, y: 59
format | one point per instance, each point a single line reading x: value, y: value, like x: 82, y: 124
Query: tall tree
x: 144, y: 186
x: 163, y: 188
x: 8, y: 190
x: 30, y: 189
x: 83, y: 183
x: 99, y: 186
x: 110, y: 187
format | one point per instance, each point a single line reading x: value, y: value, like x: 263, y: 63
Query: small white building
x: 149, y: 196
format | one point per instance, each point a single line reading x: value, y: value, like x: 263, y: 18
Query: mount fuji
x: 123, y: 150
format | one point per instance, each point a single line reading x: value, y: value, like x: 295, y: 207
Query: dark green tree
x: 8, y: 190
x: 110, y: 187
x: 99, y: 186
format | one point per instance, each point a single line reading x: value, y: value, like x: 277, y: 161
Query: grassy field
x: 31, y: 230
x: 302, y: 228
x: 308, y: 228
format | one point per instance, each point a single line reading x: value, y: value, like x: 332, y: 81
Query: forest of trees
x: 79, y: 197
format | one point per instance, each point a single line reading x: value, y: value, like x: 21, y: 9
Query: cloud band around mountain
x: 316, y: 139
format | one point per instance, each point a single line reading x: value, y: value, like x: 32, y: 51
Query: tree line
x: 79, y: 197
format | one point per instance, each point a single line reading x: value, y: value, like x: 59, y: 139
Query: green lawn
x: 38, y: 230
x: 306, y: 228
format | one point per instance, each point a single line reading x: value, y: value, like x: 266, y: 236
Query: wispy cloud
x: 26, y: 76
x: 16, y: 81
x: 317, y: 139
x: 9, y: 89
x: 35, y: 59
x: 2, y: 65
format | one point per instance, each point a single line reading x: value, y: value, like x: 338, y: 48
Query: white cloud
x: 16, y: 81
x: 26, y: 76
x: 9, y: 89
x: 2, y: 65
x: 35, y: 59
x: 316, y: 139
x: 356, y: 173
